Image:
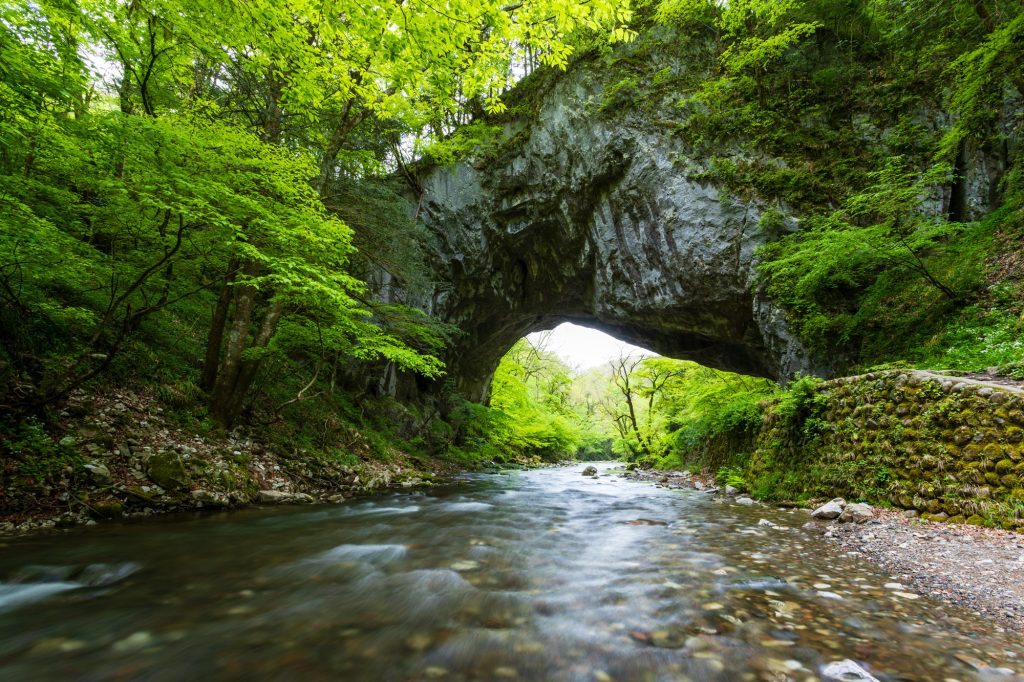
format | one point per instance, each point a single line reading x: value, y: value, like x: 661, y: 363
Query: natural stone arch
x: 593, y: 218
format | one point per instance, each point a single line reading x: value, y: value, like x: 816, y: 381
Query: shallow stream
x: 542, y: 575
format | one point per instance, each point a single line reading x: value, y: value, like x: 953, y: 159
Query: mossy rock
x: 992, y: 478
x: 1010, y: 481
x: 106, y: 509
x: 975, y: 520
x: 168, y: 471
x: 956, y: 519
x: 961, y: 436
x: 1004, y: 466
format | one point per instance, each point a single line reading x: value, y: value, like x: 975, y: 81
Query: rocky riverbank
x: 980, y: 569
x: 122, y: 456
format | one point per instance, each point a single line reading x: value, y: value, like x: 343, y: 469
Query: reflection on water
x: 544, y: 575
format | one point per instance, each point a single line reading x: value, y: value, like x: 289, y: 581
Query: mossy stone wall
x: 949, y: 447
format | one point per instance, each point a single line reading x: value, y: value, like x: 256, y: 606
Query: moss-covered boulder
x: 168, y: 471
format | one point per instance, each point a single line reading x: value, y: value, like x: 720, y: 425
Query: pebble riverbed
x: 539, y: 575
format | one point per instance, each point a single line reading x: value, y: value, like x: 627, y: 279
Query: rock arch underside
x: 592, y: 214
x: 589, y: 219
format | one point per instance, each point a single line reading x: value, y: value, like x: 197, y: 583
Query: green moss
x: 168, y: 471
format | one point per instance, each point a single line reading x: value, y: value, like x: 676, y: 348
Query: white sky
x: 584, y: 348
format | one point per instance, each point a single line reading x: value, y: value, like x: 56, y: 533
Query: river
x: 538, y: 575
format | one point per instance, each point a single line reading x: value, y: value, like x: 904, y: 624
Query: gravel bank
x: 980, y: 569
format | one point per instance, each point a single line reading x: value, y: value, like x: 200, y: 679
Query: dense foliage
x: 185, y: 186
x: 866, y: 127
x: 204, y: 198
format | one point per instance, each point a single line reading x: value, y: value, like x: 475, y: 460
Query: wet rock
x: 134, y: 642
x: 43, y: 574
x: 590, y: 471
x: 101, y: 575
x: 846, y: 671
x: 856, y: 513
x: 746, y: 501
x: 52, y: 645
x: 830, y: 510
x: 667, y: 639
x: 419, y: 641
x: 768, y: 524
x: 731, y: 490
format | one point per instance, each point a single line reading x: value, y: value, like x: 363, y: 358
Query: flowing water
x: 544, y: 575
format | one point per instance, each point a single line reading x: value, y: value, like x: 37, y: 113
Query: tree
x: 533, y: 398
x: 203, y: 163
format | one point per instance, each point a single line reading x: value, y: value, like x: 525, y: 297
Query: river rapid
x: 539, y: 575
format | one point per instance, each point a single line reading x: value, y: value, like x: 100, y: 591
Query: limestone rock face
x: 593, y: 210
x: 592, y: 216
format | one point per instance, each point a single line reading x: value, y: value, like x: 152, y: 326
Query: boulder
x: 590, y: 471
x: 731, y: 490
x: 857, y: 513
x: 99, y: 473
x: 745, y: 501
x: 830, y: 510
x: 207, y: 498
x: 168, y: 471
x: 282, y: 497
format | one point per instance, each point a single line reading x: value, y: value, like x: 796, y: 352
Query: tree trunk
x: 235, y: 400
x: 215, y: 339
x: 224, y: 385
x: 632, y: 419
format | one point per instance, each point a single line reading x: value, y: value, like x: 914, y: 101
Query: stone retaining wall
x: 951, y: 448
